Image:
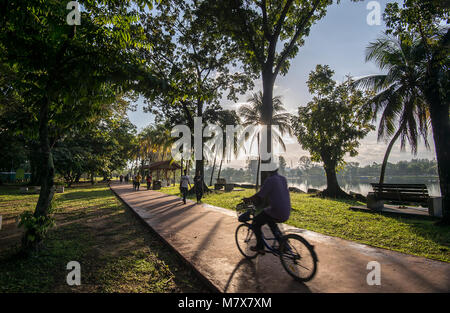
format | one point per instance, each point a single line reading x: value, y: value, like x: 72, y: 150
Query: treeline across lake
x: 306, y: 168
x: 415, y: 167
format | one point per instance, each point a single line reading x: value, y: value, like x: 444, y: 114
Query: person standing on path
x: 198, y: 186
x: 184, y: 183
x: 138, y: 181
x: 149, y: 181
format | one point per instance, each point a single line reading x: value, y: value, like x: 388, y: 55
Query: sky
x: 339, y: 40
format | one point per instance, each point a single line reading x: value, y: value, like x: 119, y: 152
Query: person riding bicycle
x: 274, y: 191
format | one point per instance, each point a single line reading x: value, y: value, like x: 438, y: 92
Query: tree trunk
x: 213, y: 168
x: 46, y: 176
x: 259, y: 163
x: 181, y: 168
x: 333, y: 190
x: 48, y: 169
x: 440, y: 121
x: 386, y: 155
x: 268, y: 79
x: 220, y: 169
x: 77, y: 178
x: 439, y: 113
x: 200, y: 164
x: 257, y: 174
x: 35, y: 160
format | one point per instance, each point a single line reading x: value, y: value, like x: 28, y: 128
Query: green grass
x: 116, y: 252
x: 418, y: 236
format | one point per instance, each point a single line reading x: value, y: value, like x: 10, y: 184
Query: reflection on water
x: 362, y: 184
x: 359, y: 184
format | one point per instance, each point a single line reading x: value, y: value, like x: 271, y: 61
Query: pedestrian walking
x: 149, y: 181
x: 198, y: 186
x: 184, y: 183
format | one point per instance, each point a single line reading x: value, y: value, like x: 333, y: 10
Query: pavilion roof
x: 162, y: 165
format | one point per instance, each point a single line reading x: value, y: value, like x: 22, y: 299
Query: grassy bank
x: 333, y: 217
x: 116, y: 252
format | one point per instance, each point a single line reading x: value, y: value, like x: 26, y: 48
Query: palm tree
x: 404, y: 112
x: 222, y: 118
x: 252, y: 112
x: 154, y: 143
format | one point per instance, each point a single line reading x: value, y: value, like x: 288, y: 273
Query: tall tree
x: 199, y: 64
x: 398, y: 96
x: 424, y: 18
x: 253, y: 115
x: 332, y: 123
x: 222, y: 118
x: 258, y: 27
x: 101, y: 147
x: 68, y: 73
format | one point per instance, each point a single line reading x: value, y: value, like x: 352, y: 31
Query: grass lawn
x: 116, y: 252
x: 418, y: 236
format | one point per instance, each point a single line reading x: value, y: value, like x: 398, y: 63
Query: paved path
x: 204, y: 236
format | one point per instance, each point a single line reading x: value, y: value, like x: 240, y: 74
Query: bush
x: 36, y: 228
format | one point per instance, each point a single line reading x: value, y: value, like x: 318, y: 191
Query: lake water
x: 362, y: 184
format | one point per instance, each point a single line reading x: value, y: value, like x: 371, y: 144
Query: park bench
x: 221, y: 182
x: 397, y: 194
x: 229, y: 187
x: 23, y: 189
x: 156, y: 185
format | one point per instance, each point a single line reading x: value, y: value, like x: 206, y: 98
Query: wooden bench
x: 229, y: 187
x: 400, y: 193
x: 221, y: 182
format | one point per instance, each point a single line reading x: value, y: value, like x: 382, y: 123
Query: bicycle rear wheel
x: 246, y: 238
x: 298, y: 257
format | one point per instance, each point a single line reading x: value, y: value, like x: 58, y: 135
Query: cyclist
x: 275, y: 193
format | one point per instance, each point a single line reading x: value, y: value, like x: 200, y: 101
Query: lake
x: 362, y: 184
x: 359, y: 184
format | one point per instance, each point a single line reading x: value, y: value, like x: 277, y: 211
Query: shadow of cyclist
x: 248, y: 276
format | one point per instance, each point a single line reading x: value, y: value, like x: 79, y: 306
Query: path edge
x: 214, y: 288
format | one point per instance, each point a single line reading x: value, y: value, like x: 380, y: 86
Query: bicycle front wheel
x: 298, y: 257
x: 246, y: 238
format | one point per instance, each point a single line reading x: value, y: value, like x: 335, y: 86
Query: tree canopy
x: 331, y: 125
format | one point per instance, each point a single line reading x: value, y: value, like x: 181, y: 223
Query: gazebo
x: 162, y: 166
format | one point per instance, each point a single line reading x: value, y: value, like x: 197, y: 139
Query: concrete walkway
x: 204, y: 236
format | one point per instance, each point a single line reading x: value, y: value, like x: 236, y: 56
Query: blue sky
x: 339, y: 40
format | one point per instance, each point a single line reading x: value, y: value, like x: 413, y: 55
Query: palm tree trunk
x: 212, y: 173
x: 386, y: 155
x: 220, y: 169
x: 258, y: 167
x: 257, y: 173
x: 181, y: 168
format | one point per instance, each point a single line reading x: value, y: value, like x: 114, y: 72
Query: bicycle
x: 296, y: 254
